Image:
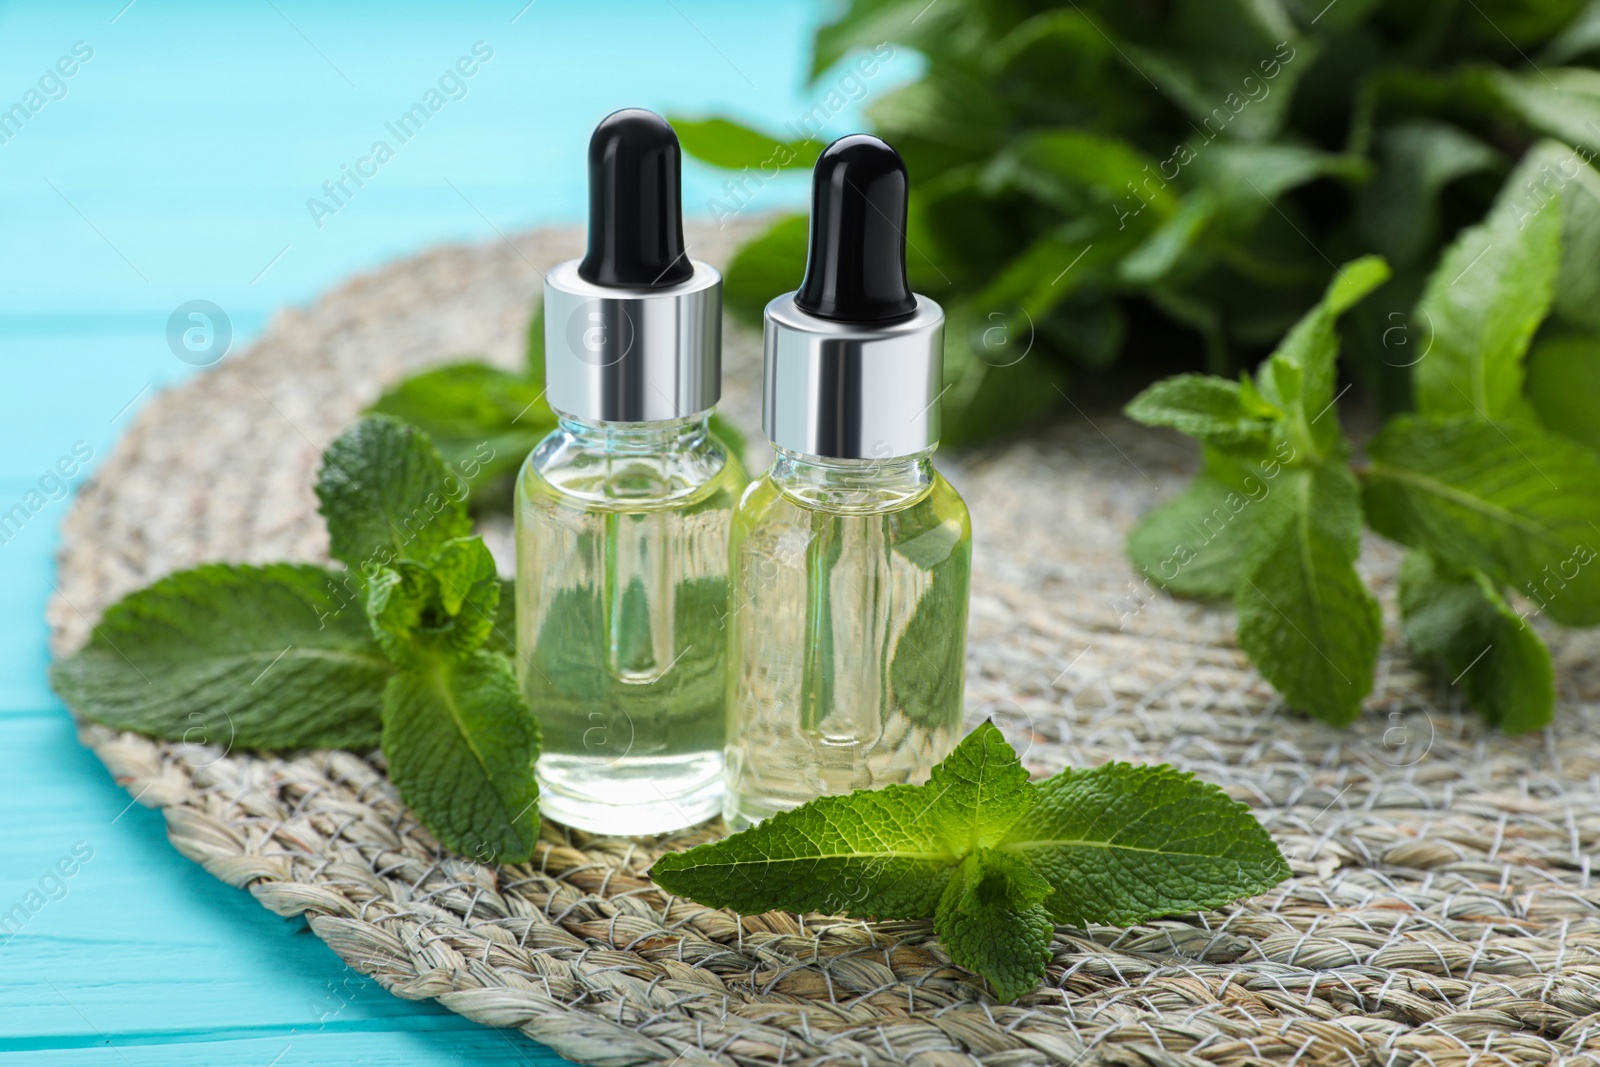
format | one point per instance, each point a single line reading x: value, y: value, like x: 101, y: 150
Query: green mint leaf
x: 1306, y: 619
x: 1252, y: 400
x: 397, y: 598
x: 1505, y: 498
x: 1581, y: 35
x: 502, y: 636
x: 446, y: 607
x: 1561, y: 102
x: 1398, y: 210
x: 733, y: 146
x: 977, y: 792
x: 1121, y: 844
x: 1195, y: 543
x: 1204, y: 407
x: 763, y: 266
x: 1554, y: 177
x: 1564, y: 384
x: 1491, y: 289
x: 483, y: 420
x: 1077, y: 171
x: 1164, y: 249
x: 467, y: 579
x: 884, y: 853
x: 1190, y: 544
x: 1035, y: 282
x: 1577, y: 297
x: 1459, y: 619
x: 388, y: 495
x: 1298, y: 378
x: 1236, y: 186
x: 461, y: 745
x: 869, y: 27
x: 1194, y: 47
x: 274, y: 657
x: 989, y: 385
x: 1240, y: 181
x: 990, y: 921
x: 869, y: 854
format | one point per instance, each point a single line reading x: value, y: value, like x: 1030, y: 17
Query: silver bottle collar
x: 632, y: 355
x: 849, y: 390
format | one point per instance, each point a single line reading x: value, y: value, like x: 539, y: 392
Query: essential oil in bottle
x: 851, y: 555
x: 622, y: 512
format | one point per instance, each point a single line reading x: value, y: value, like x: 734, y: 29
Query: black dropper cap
x: 635, y: 210
x: 856, y: 263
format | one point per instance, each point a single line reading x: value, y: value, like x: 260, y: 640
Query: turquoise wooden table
x: 175, y: 162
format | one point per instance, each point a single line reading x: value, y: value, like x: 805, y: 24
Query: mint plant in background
x: 408, y: 649
x: 1491, y: 485
x: 1169, y: 184
x: 994, y: 859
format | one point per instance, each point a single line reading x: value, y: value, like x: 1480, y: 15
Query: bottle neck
x: 640, y: 438
x: 852, y: 485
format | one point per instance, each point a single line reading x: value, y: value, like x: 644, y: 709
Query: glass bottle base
x: 743, y: 812
x: 847, y: 634
x: 632, y: 796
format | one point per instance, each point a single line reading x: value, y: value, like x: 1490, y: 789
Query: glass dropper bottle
x: 622, y: 512
x: 851, y: 555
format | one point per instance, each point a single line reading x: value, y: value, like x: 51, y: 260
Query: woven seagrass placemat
x: 1443, y: 908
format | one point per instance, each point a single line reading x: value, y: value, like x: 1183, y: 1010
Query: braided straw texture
x: 1442, y: 910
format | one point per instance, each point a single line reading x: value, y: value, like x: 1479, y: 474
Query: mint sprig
x: 1461, y: 620
x: 992, y: 858
x: 257, y: 657
x: 460, y: 741
x: 1275, y: 520
x: 461, y: 748
x: 407, y: 648
x: 1493, y: 500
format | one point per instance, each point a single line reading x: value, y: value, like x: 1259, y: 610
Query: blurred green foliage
x: 1170, y: 182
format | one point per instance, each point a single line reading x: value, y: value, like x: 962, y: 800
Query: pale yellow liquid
x: 847, y: 642
x: 622, y: 585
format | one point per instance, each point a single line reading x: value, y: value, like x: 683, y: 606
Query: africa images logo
x: 451, y: 85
